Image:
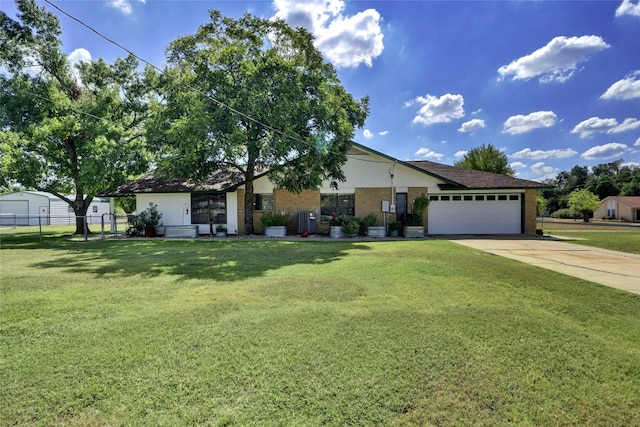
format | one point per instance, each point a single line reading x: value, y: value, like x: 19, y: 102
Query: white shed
x: 34, y: 207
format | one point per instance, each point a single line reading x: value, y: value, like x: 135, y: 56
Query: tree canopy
x: 66, y: 129
x: 486, y: 158
x: 603, y: 180
x: 583, y: 201
x: 248, y: 96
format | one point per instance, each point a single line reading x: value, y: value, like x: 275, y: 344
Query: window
x: 263, y: 202
x: 208, y: 207
x: 467, y: 198
x: 514, y: 197
x: 457, y: 198
x: 445, y: 198
x: 94, y: 209
x: 491, y: 197
x: 338, y: 204
x: 502, y: 197
x: 433, y: 198
x: 479, y: 198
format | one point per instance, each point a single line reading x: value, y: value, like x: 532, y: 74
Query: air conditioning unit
x: 307, y: 221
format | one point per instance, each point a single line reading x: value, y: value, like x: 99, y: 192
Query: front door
x: 401, y: 206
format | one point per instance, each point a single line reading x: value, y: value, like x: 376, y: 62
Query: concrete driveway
x: 610, y: 268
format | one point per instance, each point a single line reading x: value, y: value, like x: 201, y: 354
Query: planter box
x: 413, y: 231
x: 275, y: 231
x: 335, y: 232
x: 221, y: 234
x: 188, y: 231
x: 377, y: 231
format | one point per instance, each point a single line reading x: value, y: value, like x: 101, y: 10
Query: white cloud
x: 518, y: 165
x: 595, y: 125
x: 123, y: 6
x: 557, y: 61
x: 428, y: 154
x: 347, y: 41
x: 522, y: 124
x: 606, y: 151
x: 478, y: 111
x: 627, y: 7
x: 367, y: 134
x: 438, y: 110
x: 627, y: 88
x: 542, y: 171
x: 472, y: 126
x: 630, y: 164
x: 460, y: 153
x: 527, y: 153
x: 75, y: 58
x: 637, y: 144
x: 78, y: 56
x: 383, y: 133
x: 628, y: 124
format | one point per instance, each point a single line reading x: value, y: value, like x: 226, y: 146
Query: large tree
x: 486, y: 158
x: 251, y: 95
x: 583, y: 201
x: 65, y: 129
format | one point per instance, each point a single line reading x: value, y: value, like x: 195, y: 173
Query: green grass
x: 598, y: 234
x: 156, y: 332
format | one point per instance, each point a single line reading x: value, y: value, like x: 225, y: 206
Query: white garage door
x: 14, y: 210
x: 475, y: 214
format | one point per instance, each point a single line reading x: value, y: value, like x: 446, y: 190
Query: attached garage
x: 486, y: 213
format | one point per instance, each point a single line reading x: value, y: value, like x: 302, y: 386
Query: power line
x: 211, y: 98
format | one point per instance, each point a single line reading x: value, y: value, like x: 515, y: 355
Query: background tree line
x: 603, y: 180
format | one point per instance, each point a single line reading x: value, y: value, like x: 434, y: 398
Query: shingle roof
x: 149, y: 183
x: 468, y: 178
x: 632, y: 202
x: 455, y: 178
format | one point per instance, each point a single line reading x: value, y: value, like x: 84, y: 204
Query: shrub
x: 350, y: 225
x: 148, y: 220
x: 274, y: 219
x: 566, y: 214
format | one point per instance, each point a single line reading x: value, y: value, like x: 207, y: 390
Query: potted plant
x: 275, y: 223
x: 369, y: 224
x: 335, y: 227
x: 221, y: 230
x: 414, y: 226
x: 148, y: 221
x: 350, y: 226
x: 394, y: 228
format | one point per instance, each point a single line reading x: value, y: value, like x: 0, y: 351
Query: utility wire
x: 211, y: 98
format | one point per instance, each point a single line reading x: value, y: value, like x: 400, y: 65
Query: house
x: 37, y: 207
x: 625, y: 208
x: 462, y: 201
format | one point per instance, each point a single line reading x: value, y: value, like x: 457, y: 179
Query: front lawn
x: 243, y: 332
x: 601, y: 234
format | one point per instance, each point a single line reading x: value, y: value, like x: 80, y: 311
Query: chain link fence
x: 106, y: 224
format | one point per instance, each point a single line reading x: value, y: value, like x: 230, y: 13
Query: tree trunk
x: 252, y: 155
x: 248, y: 206
x: 80, y: 208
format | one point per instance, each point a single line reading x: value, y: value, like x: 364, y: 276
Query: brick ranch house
x: 462, y: 201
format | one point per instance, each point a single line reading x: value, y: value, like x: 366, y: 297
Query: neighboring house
x: 625, y: 208
x: 37, y: 207
x: 463, y: 201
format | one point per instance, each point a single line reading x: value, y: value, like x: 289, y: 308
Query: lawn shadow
x: 229, y: 260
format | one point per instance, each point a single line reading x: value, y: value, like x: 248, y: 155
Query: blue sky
x: 553, y: 84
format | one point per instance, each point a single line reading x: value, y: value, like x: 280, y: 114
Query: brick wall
x: 369, y: 201
x: 530, y: 216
